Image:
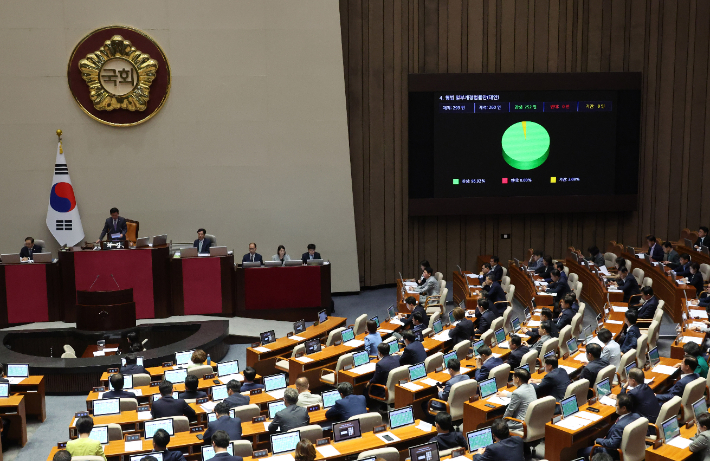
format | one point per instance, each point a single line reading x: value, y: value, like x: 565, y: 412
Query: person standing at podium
x: 202, y: 244
x: 252, y: 256
x: 310, y: 254
x: 115, y: 227
x: 29, y: 249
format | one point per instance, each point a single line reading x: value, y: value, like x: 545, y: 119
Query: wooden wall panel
x: 385, y: 40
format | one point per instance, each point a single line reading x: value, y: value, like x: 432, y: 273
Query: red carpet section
x: 26, y: 288
x: 202, y: 286
x: 282, y: 287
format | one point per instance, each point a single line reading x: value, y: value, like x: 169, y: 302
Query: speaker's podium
x: 105, y: 310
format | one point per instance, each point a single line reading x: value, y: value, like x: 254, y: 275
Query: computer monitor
x: 208, y: 451
x: 322, y: 316
x: 603, y: 387
x: 437, y: 326
x: 275, y: 382
x: 314, y: 262
x: 183, y: 358
x: 161, y: 239
x: 18, y: 370
x: 213, y: 416
x: 176, y: 376
x: 346, y: 430
x: 476, y: 345
x: 330, y: 397
x: 4, y: 390
x: 228, y: 368
x: 219, y: 392
x: 653, y: 356
x: 107, y: 407
x: 451, y: 317
x: 156, y: 455
x: 569, y: 406
x: 500, y: 335
x: 525, y: 367
x: 376, y: 319
x: 100, y: 434
x: 360, y: 358
x: 284, y: 442
x: 549, y: 354
x: 572, y: 346
x: 347, y: 334
x: 630, y: 366
x: 392, y: 311
x: 700, y: 407
x: 526, y: 312
x: 127, y: 382
x: 488, y: 387
x: 158, y: 396
x: 267, y: 337
x: 479, y: 439
x: 313, y: 346
x: 449, y: 356
x: 417, y: 371
x: 670, y: 428
x: 401, y: 417
x: 275, y: 407
x: 153, y: 425
x: 394, y: 347
x: 299, y: 327
x: 515, y: 323
x: 418, y: 335
x: 425, y: 452
x: 188, y: 253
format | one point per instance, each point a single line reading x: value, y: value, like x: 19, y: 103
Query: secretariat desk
x: 29, y: 292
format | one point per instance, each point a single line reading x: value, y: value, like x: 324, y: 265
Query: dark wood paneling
x: 383, y: 41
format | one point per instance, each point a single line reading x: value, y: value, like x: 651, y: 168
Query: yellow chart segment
x: 525, y: 132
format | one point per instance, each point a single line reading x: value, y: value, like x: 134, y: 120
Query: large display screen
x: 508, y: 143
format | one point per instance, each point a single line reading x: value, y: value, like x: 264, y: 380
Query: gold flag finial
x: 59, y: 135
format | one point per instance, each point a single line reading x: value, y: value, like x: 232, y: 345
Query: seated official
x: 131, y: 367
x: 557, y: 286
x: 517, y: 351
x: 249, y: 377
x: 116, y: 381
x: 161, y: 439
x: 202, y: 243
x: 220, y: 444
x: 348, y: 406
x: 595, y: 365
x: 485, y: 270
x: 632, y: 332
x: 554, y: 383
x: 423, y: 264
x: 62, y: 455
x: 703, y: 239
x: 372, y: 339
x: 232, y: 426
x: 611, y: 351
x: 694, y: 350
x: 463, y: 331
x: 486, y: 318
x: 543, y: 336
x: 235, y: 398
x: 654, y: 248
x: 413, y: 352
x: 618, y: 264
x: 547, y: 266
x: 134, y: 342
x: 198, y: 359
x: 545, y: 316
x: 650, y: 303
x: 683, y: 270
x: 612, y: 441
x: 281, y: 255
x: 191, y: 392
x: 560, y: 266
x: 454, y: 367
x: 644, y: 402
x: 292, y: 416
x: 523, y: 395
x: 495, y: 295
x: 573, y: 298
x: 84, y: 446
x: 485, y: 362
x: 412, y: 306
x: 310, y: 254
x: 627, y: 283
x: 695, y: 278
x: 27, y: 252
x: 430, y: 287
x: 701, y: 442
x: 252, y: 256
x: 566, y: 314
x: 446, y: 436
x: 167, y: 406
x: 115, y: 227
x: 504, y: 446
x: 595, y: 256
x: 305, y: 398
x: 535, y: 260
x: 383, y: 367
x: 671, y: 258
x: 687, y: 370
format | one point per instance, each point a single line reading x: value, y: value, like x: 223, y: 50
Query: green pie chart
x: 526, y: 145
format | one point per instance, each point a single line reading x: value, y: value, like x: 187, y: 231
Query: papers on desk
x: 137, y: 392
x: 362, y: 369
x: 283, y: 457
x: 410, y: 284
x: 296, y: 338
x: 640, y: 255
x: 573, y: 423
x: 110, y: 349
x: 697, y: 313
x: 429, y: 381
x: 382, y: 330
x: 463, y: 370
x: 498, y: 400
x: 540, y: 283
x: 15, y: 380
x: 388, y: 437
x: 604, y: 270
x: 266, y: 425
x: 495, y: 354
x: 328, y: 451
x: 619, y: 308
x: 614, y: 322
x: 569, y: 370
x: 588, y: 416
x: 227, y: 378
x: 542, y: 293
x: 304, y: 359
x: 277, y: 394
x: 424, y: 426
x: 396, y: 322
x: 664, y: 369
x: 607, y: 401
x: 475, y: 286
x: 99, y: 353
x: 696, y: 325
x: 472, y: 276
x: 533, y: 323
x: 679, y: 442
x: 209, y: 406
x: 504, y: 345
x: 693, y: 339
x: 143, y: 415
x: 690, y: 303
x: 412, y: 386
x: 354, y: 343
x: 581, y: 358
x: 443, y: 336
x: 262, y: 349
x: 615, y: 290
x: 648, y: 380
x: 133, y: 446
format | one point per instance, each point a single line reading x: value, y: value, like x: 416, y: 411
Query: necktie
x: 252, y: 258
x: 200, y: 249
x: 115, y: 226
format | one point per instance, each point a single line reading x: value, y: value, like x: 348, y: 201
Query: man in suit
x: 560, y: 266
x: 545, y: 316
x: 596, y: 363
x: 632, y: 332
x: 486, y: 317
x: 27, y: 251
x: 612, y: 441
x: 595, y: 256
x: 252, y: 256
x: 430, y: 287
x: 249, y: 377
x: 496, y: 270
x: 161, y: 439
x: 232, y: 426
x: 683, y: 270
x: 290, y: 417
x: 444, y: 389
x: 235, y: 398
x: 413, y: 352
x: 644, y: 402
x: 544, y: 270
x: 696, y: 278
x: 503, y: 447
x: 535, y: 260
x: 648, y: 309
x: 701, y: 442
x: 566, y: 315
x: 495, y: 295
x: 348, y: 406
x: 116, y: 381
x: 446, y: 436
x: 191, y: 392
x: 627, y: 283
x: 544, y: 335
x: 520, y: 398
x: 485, y: 362
x: 654, y: 248
x: 305, y: 398
x: 132, y: 367
x: 703, y: 239
x: 573, y: 299
x: 611, y: 351
x: 115, y: 227
x: 671, y: 258
x: 517, y: 351
x: 687, y: 367
x: 310, y: 254
x: 463, y: 331
x: 413, y: 306
x: 167, y: 406
x: 557, y: 286
x: 220, y: 443
x: 383, y: 367
x: 202, y: 244
x: 554, y: 383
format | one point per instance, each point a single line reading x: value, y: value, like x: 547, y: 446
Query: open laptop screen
x: 183, y: 358
x: 100, y: 434
x: 401, y: 417
x: 275, y: 407
x: 488, y: 387
x: 285, y: 442
x: 417, y: 371
x: 18, y: 370
x: 603, y: 387
x: 670, y: 428
x: 425, y: 452
x: 330, y: 397
x: 479, y: 439
x: 228, y: 368
x: 107, y: 407
x: 569, y: 406
x: 151, y: 427
x: 360, y: 358
x: 346, y: 430
x: 275, y: 382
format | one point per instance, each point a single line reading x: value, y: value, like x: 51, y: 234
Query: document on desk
x: 110, y: 349
x: 682, y: 281
x: 472, y: 276
x: 227, y: 378
x: 443, y: 336
x: 209, y: 406
x: 664, y: 369
x: 581, y: 358
x: 607, y: 401
x: 410, y: 284
x: 614, y: 290
x: 354, y: 343
x: 569, y: 370
x: 15, y: 380
x: 499, y: 400
x: 604, y: 270
x: 463, y: 370
x: 137, y: 392
x: 382, y: 330
x: 396, y: 322
x: 614, y: 322
x: 277, y: 394
x: 297, y: 338
x: 133, y: 446
x: 573, y: 423
x: 143, y: 415
x: 533, y: 323
x: 328, y: 451
x: 262, y: 349
x: 429, y: 381
x: 475, y: 286
x: 619, y: 308
x: 696, y: 325
x: 540, y: 283
x: 424, y: 426
x: 304, y: 359
x: 412, y: 386
x: 588, y: 416
x: 362, y: 369
x: 696, y: 313
x: 693, y: 339
x: 504, y: 345
x: 99, y: 353
x: 648, y: 380
x: 679, y: 442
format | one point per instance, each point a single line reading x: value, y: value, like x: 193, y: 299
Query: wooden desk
x: 31, y: 292
x: 594, y: 292
x: 462, y: 281
x: 33, y: 389
x: 89, y: 352
x: 563, y: 444
x: 13, y: 409
x: 669, y: 452
x: 156, y: 374
x: 203, y: 285
x: 525, y: 289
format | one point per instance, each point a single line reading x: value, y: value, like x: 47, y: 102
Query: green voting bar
x: 526, y: 145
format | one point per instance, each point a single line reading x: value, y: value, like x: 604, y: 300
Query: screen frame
x: 349, y: 438
x: 281, y: 434
x: 411, y: 409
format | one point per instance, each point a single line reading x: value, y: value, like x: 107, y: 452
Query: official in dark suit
x: 463, y: 331
x: 566, y: 315
x: 496, y: 270
x: 703, y: 239
x: 486, y: 319
x: 642, y: 394
x: 454, y: 367
x: 485, y: 362
x: 167, y: 406
x: 349, y: 404
x: 517, y: 351
x: 654, y: 248
x: 648, y: 309
x: 252, y: 256
x: 446, y: 436
x: 248, y: 384
x: 191, y: 392
x: 131, y: 367
x: 310, y: 254
x: 292, y: 416
x: 632, y: 332
x: 595, y: 256
x: 232, y: 426
x: 235, y: 399
x: 683, y: 270
x: 595, y: 365
x: 114, y: 225
x: 628, y: 284
x: 560, y: 266
x: 161, y: 439
x: 696, y: 278
x: 383, y: 367
x: 413, y: 306
x: 116, y: 381
x: 495, y: 294
x: 413, y: 352
x: 688, y: 375
x: 554, y: 383
x: 28, y: 251
x: 202, y: 243
x: 504, y: 446
x: 220, y: 443
x: 671, y: 258
x: 612, y: 441
x: 544, y: 270
x: 557, y: 286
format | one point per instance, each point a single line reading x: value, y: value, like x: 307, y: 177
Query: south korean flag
x: 63, y: 218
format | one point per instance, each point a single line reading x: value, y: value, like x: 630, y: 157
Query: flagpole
x: 59, y: 135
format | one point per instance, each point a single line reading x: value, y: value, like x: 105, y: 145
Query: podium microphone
x: 92, y: 285
x: 114, y: 281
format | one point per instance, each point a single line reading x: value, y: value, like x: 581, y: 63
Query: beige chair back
x: 578, y: 289
x: 506, y: 319
x: 539, y: 413
x: 459, y: 394
x: 368, y: 421
x: 606, y: 372
x: 500, y: 373
x: 641, y: 350
x: 334, y: 336
x: 692, y: 393
x: 200, y: 371
x: 462, y: 349
x: 395, y: 376
x: 343, y: 362
x: 497, y: 324
x: 704, y: 269
x: 114, y: 432
x: 360, y: 325
x: 505, y: 271
x: 213, y: 239
x: 577, y: 323
x: 633, y: 440
x: 433, y: 362
x: 565, y: 335
x: 647, y: 282
x: 298, y: 351
x: 658, y: 315
x: 128, y: 404
x: 438, y: 276
x: 549, y: 345
x: 580, y: 388
x: 626, y: 359
x: 242, y: 448
x: 609, y: 260
x: 487, y: 338
x: 530, y: 358
x: 653, y: 331
x: 638, y: 274
x: 510, y: 294
x: 311, y: 432
x: 388, y: 454
x: 433, y: 318
x: 142, y: 379
x: 505, y: 283
x: 670, y: 408
x: 247, y: 412
x: 573, y: 278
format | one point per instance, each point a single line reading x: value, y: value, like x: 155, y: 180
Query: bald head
x: 302, y: 384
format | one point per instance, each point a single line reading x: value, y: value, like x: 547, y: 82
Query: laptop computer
x: 477, y: 345
x: 299, y: 327
x: 515, y: 324
x: 183, y: 358
x: 42, y: 257
x: 376, y: 319
x: 488, y: 387
x: 603, y: 387
x: 18, y: 370
x: 160, y: 240
x: 273, y: 263
x: 100, y: 434
x: 4, y: 390
x: 569, y: 406
x: 500, y: 335
x: 700, y: 407
x: 322, y: 316
x: 437, y: 326
x: 670, y: 428
x: 175, y: 395
x: 267, y: 337
x: 480, y: 438
x: 284, y: 442
x: 654, y: 357
x: 176, y: 376
x: 188, y: 252
x: 347, y: 334
x: 12, y: 258
x: 572, y: 346
x: 314, y: 262
x: 275, y: 382
x: 127, y: 382
x: 392, y: 312
x: 208, y: 451
x: 107, y: 407
x: 228, y: 368
x: 629, y: 367
x: 417, y: 371
x: 275, y: 407
x: 524, y: 367
x: 142, y: 242
x: 425, y: 452
x: 312, y: 346
x: 401, y: 417
x: 360, y: 358
x: 218, y: 251
x: 394, y: 347
x: 152, y: 426
x: 346, y: 430
x: 330, y: 397
x: 452, y: 320
x: 449, y: 356
x: 293, y: 262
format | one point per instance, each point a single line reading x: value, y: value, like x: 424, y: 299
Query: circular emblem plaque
x: 119, y: 76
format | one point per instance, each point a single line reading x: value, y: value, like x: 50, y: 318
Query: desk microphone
x: 92, y: 285
x: 114, y: 281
